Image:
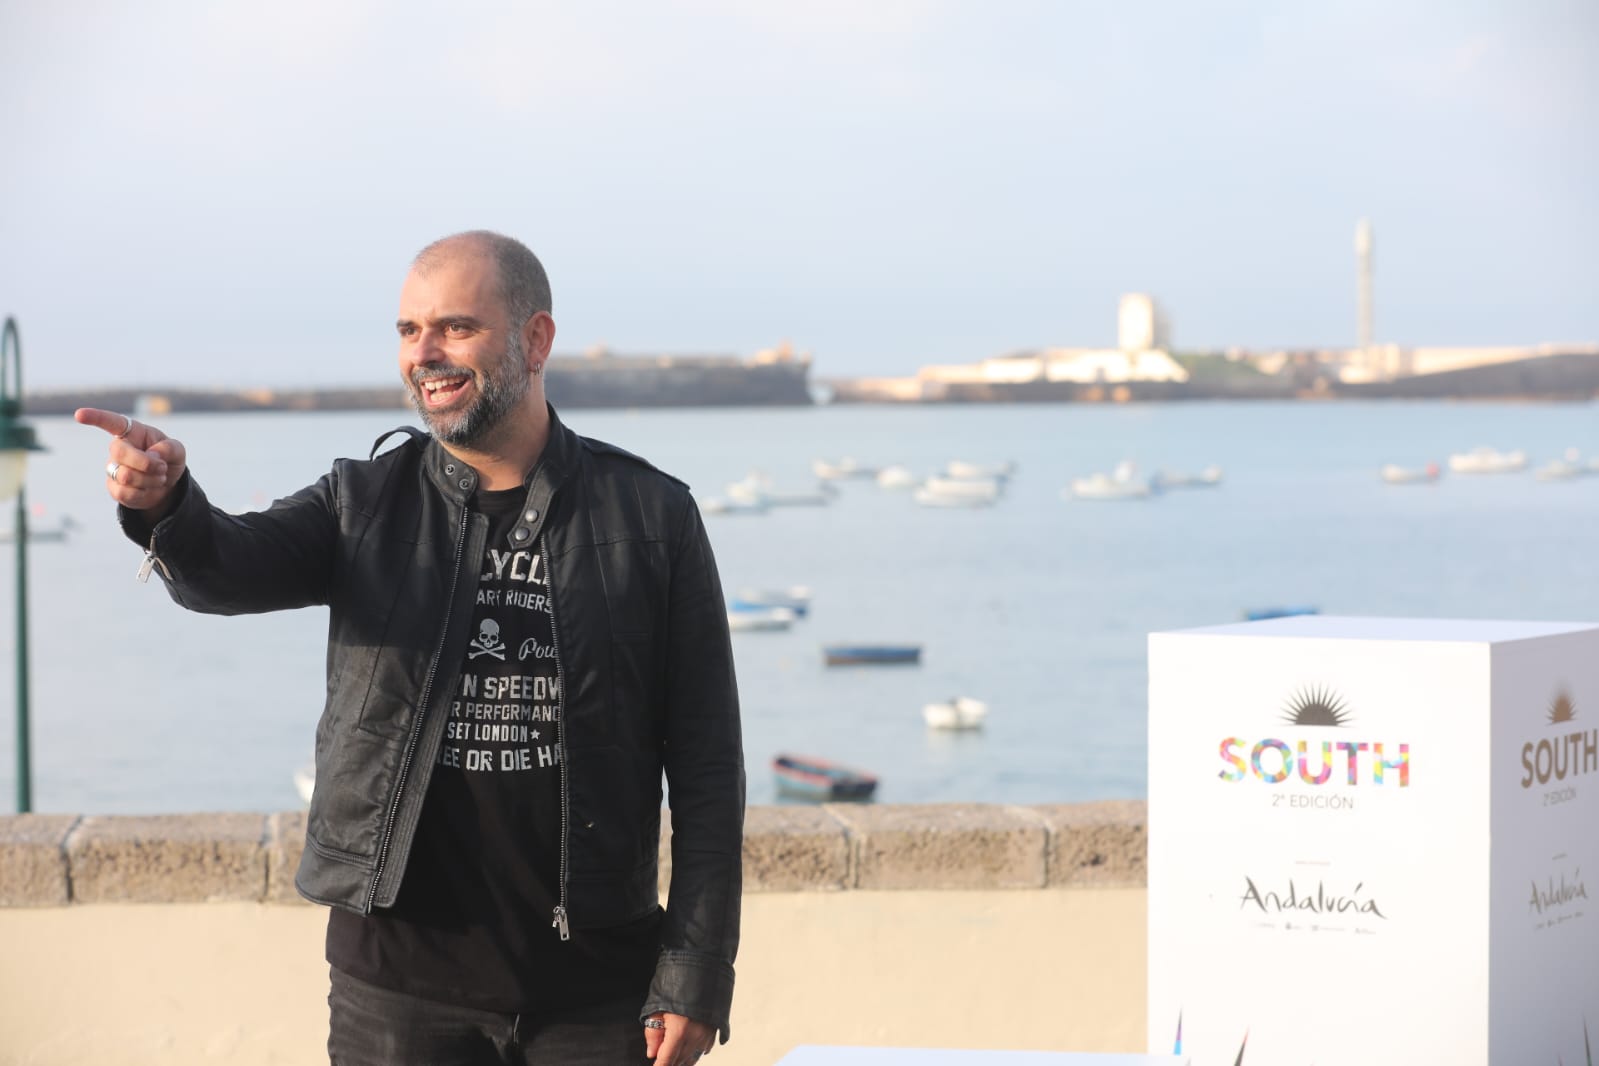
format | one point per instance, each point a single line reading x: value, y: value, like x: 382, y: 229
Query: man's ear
x: 538, y: 337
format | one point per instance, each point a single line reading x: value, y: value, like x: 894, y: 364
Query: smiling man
x: 526, y: 630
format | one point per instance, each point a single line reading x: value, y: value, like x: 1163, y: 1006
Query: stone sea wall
x: 55, y: 860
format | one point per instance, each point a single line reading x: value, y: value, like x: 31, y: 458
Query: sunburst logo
x: 1316, y: 705
x: 1273, y: 760
x: 1572, y: 752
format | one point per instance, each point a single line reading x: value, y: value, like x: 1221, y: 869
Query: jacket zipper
x: 560, y: 921
x: 421, y: 715
x: 151, y: 561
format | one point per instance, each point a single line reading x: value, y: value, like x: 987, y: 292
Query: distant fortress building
x: 1139, y: 367
x: 1142, y: 366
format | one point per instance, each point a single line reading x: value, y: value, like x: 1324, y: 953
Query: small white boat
x: 760, y: 620
x: 1560, y: 470
x: 754, y: 487
x: 720, y: 505
x: 758, y: 488
x: 1569, y: 466
x: 959, y: 468
x: 962, y: 712
x: 1395, y: 474
x: 928, y: 498
x: 305, y: 781
x: 1486, y: 460
x: 896, y: 477
x: 796, y: 598
x: 986, y: 489
x: 38, y: 534
x: 1123, y: 483
x: 1207, y: 478
x: 844, y: 468
x: 820, y: 496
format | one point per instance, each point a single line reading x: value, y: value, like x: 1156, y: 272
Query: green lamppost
x: 17, y: 439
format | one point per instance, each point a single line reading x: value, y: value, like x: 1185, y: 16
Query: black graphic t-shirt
x: 473, y: 923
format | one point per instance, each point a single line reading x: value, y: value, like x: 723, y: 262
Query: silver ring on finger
x: 111, y: 470
x: 127, y: 428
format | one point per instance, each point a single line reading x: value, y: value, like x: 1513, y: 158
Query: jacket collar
x: 457, y: 481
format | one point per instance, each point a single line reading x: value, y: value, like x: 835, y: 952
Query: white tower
x: 1363, y: 246
x: 1141, y: 324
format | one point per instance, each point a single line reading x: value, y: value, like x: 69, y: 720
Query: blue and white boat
x: 806, y: 777
x: 796, y: 598
x: 857, y: 654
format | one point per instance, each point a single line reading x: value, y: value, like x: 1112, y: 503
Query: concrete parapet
x: 794, y: 849
x: 49, y: 860
x: 168, y: 858
x: 285, y: 842
x: 1096, y: 845
x: 944, y: 845
x: 33, y: 862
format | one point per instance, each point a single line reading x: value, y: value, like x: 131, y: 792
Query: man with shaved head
x: 526, y: 630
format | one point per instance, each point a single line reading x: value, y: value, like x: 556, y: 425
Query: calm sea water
x: 1040, y: 606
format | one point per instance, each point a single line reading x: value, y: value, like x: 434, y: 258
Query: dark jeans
x: 372, y: 1026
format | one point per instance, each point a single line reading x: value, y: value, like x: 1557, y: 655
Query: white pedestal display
x: 1374, y: 841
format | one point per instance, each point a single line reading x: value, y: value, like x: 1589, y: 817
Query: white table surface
x: 811, y: 1055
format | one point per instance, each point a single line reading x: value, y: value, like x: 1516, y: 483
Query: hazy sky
x: 229, y: 193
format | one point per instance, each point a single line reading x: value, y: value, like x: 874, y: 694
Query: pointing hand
x: 145, y: 465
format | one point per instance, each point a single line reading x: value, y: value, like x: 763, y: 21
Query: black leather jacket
x: 391, y: 546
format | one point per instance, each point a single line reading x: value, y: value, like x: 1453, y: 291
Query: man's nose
x: 427, y: 349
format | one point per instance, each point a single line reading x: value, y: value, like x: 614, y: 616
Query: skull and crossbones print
x: 488, y: 641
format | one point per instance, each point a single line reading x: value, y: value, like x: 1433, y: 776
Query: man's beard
x: 502, y: 386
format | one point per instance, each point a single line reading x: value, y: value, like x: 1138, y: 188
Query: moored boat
x: 807, y: 777
x: 961, y: 712
x: 796, y: 598
x: 844, y: 468
x: 896, y: 477
x: 1123, y: 483
x: 720, y: 505
x: 759, y: 619
x: 967, y: 471
x: 926, y: 497
x: 1560, y: 470
x: 1395, y: 474
x: 758, y: 488
x: 1207, y: 478
x: 985, y: 487
x: 55, y: 534
x: 958, y: 492
x: 1485, y: 460
x: 860, y: 654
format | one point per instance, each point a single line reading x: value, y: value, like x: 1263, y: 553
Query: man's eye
x: 457, y: 328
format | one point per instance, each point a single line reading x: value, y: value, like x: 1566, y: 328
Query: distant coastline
x: 1568, y: 373
x: 1073, y: 375
x: 600, y: 379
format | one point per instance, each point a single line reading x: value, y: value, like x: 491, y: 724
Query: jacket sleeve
x: 704, y: 757
x: 220, y: 563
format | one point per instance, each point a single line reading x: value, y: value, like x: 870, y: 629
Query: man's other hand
x: 144, y: 465
x: 681, y: 1043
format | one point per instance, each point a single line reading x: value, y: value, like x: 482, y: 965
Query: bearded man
x: 526, y: 629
